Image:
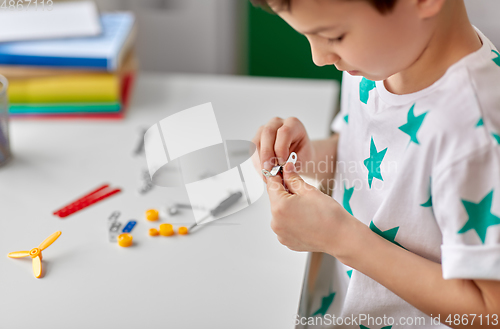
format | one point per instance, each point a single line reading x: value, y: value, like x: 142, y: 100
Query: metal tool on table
x: 276, y: 169
x: 224, y: 205
x: 174, y: 209
x: 139, y: 149
x: 114, y: 226
x: 147, y: 184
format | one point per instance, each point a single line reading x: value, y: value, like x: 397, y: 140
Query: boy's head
x: 372, y: 38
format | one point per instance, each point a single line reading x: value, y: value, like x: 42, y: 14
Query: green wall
x: 276, y: 50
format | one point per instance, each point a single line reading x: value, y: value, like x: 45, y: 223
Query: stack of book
x: 85, y: 77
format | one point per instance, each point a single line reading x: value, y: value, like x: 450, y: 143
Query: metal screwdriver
x: 231, y: 200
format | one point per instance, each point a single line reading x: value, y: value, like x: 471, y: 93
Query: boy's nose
x: 322, y: 57
x: 326, y: 59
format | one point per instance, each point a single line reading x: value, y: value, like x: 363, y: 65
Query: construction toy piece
x: 129, y: 227
x: 276, y: 169
x: 152, y: 215
x: 164, y: 212
x: 36, y: 253
x: 172, y: 210
x: 114, y: 230
x: 183, y: 230
x: 125, y: 240
x: 95, y: 196
x: 153, y: 232
x: 166, y: 230
x: 88, y: 195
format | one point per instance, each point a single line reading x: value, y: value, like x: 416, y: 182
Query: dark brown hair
x: 383, y: 6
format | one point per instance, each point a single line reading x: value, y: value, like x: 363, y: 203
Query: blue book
x: 103, y: 52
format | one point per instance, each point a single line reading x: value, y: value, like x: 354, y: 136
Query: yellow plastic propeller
x: 47, y: 242
x: 19, y: 254
x: 37, y: 266
x: 36, y: 253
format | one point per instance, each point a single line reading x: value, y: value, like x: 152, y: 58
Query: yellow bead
x: 152, y: 215
x: 166, y: 230
x: 153, y: 232
x: 125, y: 240
x: 183, y: 230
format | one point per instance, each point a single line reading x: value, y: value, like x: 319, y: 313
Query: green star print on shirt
x: 480, y: 123
x: 497, y: 137
x: 413, y: 125
x: 364, y: 89
x: 480, y: 216
x: 389, y: 235
x: 497, y: 59
x: 347, y: 197
x: 428, y: 203
x: 373, y: 163
x: 325, y: 304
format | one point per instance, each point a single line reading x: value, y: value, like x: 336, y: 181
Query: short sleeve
x: 342, y: 116
x: 466, y: 205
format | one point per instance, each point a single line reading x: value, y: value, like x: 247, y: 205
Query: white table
x: 225, y: 276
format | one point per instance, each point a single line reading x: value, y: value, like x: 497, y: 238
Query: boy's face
x: 373, y: 45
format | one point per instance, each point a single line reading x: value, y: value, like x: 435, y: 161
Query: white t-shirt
x: 423, y: 171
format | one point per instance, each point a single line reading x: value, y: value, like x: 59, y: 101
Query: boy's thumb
x: 292, y: 179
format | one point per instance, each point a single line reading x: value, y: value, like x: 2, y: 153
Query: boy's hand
x: 304, y: 218
x: 277, y: 139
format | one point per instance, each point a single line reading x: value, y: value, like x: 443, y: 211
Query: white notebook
x: 48, y: 21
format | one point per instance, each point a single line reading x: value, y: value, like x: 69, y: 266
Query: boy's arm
x: 420, y: 281
x: 304, y: 219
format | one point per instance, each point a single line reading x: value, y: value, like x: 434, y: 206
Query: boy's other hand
x: 277, y: 139
x: 304, y: 218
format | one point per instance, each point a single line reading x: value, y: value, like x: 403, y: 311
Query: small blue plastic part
x: 129, y: 227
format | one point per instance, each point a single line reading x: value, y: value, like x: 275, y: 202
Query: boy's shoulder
x: 466, y: 107
x: 460, y: 113
x: 472, y: 81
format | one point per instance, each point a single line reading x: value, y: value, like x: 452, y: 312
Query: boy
x: 414, y: 223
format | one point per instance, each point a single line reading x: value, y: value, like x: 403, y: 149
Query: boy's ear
x: 429, y: 8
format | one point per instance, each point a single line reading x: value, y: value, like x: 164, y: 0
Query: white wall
x: 207, y: 36
x: 485, y: 15
x: 193, y: 36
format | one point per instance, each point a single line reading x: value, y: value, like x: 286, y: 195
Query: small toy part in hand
x: 125, y: 240
x: 152, y: 215
x: 276, y: 169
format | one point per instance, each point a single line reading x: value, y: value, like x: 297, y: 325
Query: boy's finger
x: 293, y: 181
x: 257, y: 165
x: 256, y: 138
x: 286, y: 135
x: 275, y: 188
x: 256, y: 155
x: 268, y: 137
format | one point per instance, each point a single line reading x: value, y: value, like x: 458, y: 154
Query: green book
x: 62, y: 108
